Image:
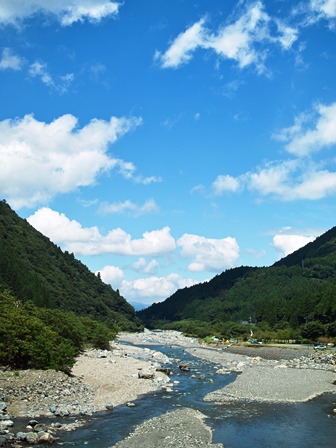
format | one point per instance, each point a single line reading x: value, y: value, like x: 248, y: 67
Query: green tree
x: 313, y: 330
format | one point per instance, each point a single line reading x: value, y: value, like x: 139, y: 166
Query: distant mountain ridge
x: 297, y: 291
x: 33, y: 268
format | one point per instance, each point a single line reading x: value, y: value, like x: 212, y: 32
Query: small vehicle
x: 254, y: 342
x: 320, y: 347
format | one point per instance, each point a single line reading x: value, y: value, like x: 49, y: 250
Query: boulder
x: 146, y: 375
x: 165, y: 370
x: 45, y: 437
x: 31, y: 438
x: 21, y: 436
x: 109, y: 407
x: 40, y: 427
x: 184, y: 367
x: 6, y: 423
x: 32, y: 423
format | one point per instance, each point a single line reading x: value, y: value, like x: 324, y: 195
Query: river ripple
x: 303, y: 425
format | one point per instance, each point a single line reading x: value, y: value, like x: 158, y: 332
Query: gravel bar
x: 178, y: 429
x: 276, y: 384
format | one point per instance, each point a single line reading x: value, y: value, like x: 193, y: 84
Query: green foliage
x: 34, y: 269
x: 32, y: 337
x: 96, y: 333
x: 313, y: 330
x: 25, y: 340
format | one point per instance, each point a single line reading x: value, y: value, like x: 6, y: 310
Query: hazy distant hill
x: 294, y: 294
x: 139, y: 305
x: 33, y: 268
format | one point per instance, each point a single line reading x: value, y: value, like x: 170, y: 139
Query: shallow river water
x: 304, y: 425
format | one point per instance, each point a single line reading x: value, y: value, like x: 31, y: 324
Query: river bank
x: 103, y: 380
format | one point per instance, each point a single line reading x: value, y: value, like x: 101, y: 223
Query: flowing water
x: 306, y: 425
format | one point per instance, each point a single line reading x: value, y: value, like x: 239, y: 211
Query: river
x: 303, y: 425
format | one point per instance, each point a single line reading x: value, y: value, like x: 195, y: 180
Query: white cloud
x: 40, y: 160
x: 149, y: 290
x: 287, y: 243
x: 311, y: 133
x: 293, y: 180
x: 242, y: 41
x: 180, y: 52
x: 287, y: 35
x: 60, y: 229
x: 154, y: 289
x: 40, y: 70
x: 145, y: 267
x: 225, y: 183
x: 112, y: 275
x: 299, y: 178
x: 324, y: 8
x: 10, y: 61
x: 89, y: 241
x: 67, y: 12
x: 286, y: 181
x: 236, y: 41
x: 208, y: 253
x: 148, y: 206
x: 273, y: 179
x: 128, y: 170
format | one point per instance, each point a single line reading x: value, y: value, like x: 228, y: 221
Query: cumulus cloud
x: 287, y: 241
x: 89, y: 241
x: 148, y: 290
x: 112, y: 275
x: 288, y: 180
x: 311, y: 132
x: 10, y: 61
x: 242, y: 41
x: 154, y: 289
x: 65, y: 11
x: 209, y: 254
x: 40, y: 160
x: 148, y: 206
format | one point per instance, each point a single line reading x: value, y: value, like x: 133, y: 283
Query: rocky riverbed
x: 101, y: 380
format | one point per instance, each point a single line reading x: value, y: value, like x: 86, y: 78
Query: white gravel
x: 272, y: 384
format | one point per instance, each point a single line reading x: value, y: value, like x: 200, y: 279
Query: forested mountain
x: 34, y: 269
x: 296, y: 296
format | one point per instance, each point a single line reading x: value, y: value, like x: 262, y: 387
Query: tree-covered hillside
x: 34, y: 269
x: 295, y: 297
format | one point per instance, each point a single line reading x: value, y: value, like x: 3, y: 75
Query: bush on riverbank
x: 39, y: 338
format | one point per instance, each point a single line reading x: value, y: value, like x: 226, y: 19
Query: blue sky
x: 163, y: 142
